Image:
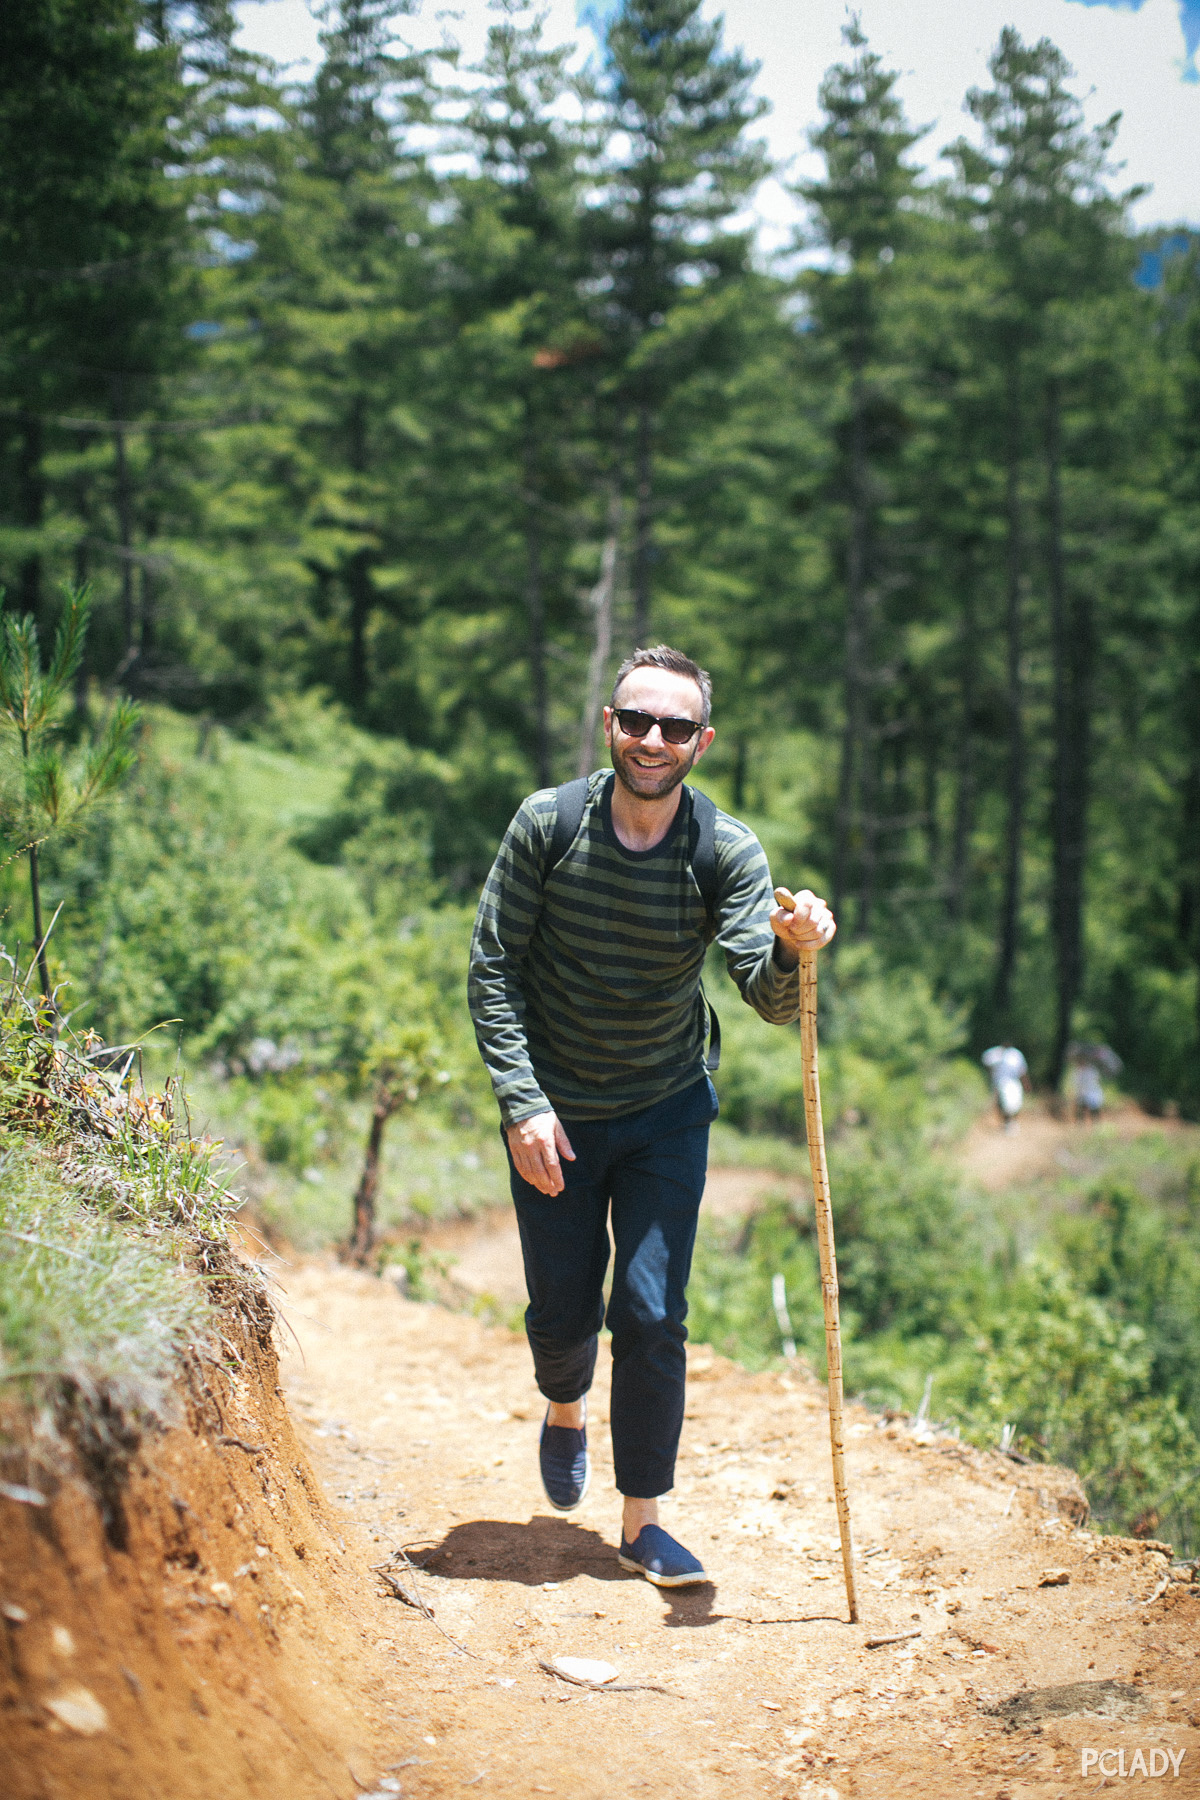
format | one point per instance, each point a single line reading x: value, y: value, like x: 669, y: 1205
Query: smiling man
x: 585, y: 990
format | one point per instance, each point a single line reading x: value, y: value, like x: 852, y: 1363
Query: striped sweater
x: 584, y: 984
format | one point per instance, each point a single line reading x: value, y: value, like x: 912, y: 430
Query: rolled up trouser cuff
x: 564, y: 1372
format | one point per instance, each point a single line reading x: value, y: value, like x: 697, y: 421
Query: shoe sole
x: 635, y: 1568
x: 583, y: 1494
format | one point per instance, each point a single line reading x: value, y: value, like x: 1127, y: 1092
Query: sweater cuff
x: 528, y: 1106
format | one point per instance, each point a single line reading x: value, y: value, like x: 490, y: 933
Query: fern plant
x: 45, y: 792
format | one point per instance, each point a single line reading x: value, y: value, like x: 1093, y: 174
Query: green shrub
x: 85, y: 1298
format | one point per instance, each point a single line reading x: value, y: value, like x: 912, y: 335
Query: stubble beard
x: 641, y: 783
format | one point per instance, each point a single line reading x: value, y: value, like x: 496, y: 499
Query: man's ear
x: 706, y: 738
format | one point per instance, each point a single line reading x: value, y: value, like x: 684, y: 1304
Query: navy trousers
x: 649, y: 1167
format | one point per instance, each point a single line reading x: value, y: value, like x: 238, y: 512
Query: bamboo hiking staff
x: 823, y: 1212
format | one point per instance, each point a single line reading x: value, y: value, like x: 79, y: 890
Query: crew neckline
x: 610, y: 835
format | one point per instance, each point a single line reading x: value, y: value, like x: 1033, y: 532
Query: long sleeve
x: 745, y: 902
x: 508, y: 913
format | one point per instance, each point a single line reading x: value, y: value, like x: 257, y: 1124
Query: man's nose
x: 655, y: 738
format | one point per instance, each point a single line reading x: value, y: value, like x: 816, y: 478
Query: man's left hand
x: 801, y: 922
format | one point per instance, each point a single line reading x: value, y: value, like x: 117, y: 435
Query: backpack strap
x: 702, y: 854
x: 702, y: 850
x: 570, y: 799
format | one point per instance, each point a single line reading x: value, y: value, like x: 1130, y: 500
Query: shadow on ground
x: 549, y: 1549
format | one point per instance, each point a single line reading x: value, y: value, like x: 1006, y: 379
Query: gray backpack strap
x: 571, y: 799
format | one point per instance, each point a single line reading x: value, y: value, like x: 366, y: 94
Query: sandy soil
x: 424, y: 1425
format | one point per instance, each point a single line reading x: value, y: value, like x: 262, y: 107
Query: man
x: 585, y: 992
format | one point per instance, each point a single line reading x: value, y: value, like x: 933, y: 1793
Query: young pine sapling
x: 43, y: 794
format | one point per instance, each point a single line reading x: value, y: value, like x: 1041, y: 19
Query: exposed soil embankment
x: 191, y: 1634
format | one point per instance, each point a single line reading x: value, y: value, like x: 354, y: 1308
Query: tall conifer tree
x: 860, y: 212
x: 682, y: 105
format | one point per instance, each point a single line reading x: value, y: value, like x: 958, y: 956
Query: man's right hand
x: 536, y: 1145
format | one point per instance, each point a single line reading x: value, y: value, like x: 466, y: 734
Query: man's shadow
x: 549, y: 1549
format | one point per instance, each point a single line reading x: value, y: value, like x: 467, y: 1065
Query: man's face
x: 648, y: 767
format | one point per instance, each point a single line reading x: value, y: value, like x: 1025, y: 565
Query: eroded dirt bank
x: 202, y: 1642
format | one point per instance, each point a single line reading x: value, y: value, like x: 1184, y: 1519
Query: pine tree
x: 530, y: 340
x: 91, y: 231
x: 860, y: 209
x: 1039, y: 189
x: 683, y: 106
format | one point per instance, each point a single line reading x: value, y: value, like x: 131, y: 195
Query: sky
x: 1136, y: 57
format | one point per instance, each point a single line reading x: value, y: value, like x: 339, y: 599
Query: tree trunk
x: 1010, y: 906
x: 740, y: 756
x: 356, y: 572
x: 1188, y: 895
x: 643, y: 528
x: 535, y: 607
x: 31, y: 502
x: 35, y: 894
x: 1073, y: 636
x: 82, y: 573
x: 363, y: 1239
x: 852, y: 773
x: 930, y: 785
x: 124, y: 502
x: 964, y: 798
x: 601, y: 602
x: 361, y: 589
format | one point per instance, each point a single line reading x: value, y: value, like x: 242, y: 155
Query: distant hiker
x: 1088, y: 1062
x: 1010, y: 1080
x: 585, y: 992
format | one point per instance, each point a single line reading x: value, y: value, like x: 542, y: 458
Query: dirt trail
x: 424, y: 1425
x: 1042, y: 1144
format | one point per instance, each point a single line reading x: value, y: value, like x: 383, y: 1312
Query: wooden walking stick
x: 829, y: 1281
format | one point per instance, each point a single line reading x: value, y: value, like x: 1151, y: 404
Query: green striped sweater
x: 584, y: 984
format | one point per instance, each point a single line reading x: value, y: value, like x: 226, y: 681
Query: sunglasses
x: 674, y: 731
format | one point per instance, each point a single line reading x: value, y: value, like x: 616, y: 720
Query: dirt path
x: 1044, y: 1145
x: 424, y: 1426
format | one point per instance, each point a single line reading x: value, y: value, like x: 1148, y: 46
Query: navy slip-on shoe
x: 656, y: 1555
x: 565, y: 1464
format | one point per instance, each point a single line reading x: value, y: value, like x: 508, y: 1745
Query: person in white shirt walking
x: 1010, y: 1081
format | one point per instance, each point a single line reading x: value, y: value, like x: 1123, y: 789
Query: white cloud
x: 1125, y: 61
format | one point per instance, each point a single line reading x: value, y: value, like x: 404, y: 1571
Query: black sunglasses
x: 675, y: 731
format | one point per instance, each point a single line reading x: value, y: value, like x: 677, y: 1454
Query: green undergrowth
x: 294, y: 1146
x: 1060, y: 1317
x: 114, y: 1235
x: 86, y: 1298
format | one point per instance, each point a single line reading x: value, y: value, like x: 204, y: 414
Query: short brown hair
x: 675, y: 663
